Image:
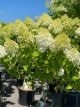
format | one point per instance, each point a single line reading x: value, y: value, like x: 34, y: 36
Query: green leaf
x: 6, y: 60
x: 46, y: 62
x: 35, y: 54
x: 68, y: 87
x: 75, y: 78
x: 13, y: 60
x: 25, y: 67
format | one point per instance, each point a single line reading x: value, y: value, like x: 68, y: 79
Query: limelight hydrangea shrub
x: 45, y: 45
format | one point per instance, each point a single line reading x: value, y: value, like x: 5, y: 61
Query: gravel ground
x: 11, y: 96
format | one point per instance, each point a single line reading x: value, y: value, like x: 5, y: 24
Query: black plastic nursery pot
x: 1, y: 104
x: 71, y: 99
x: 25, y: 97
x: 56, y: 99
x: 0, y: 75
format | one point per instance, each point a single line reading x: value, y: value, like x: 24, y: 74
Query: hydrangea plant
x: 48, y: 47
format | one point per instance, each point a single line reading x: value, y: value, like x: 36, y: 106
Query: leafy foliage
x: 60, y: 7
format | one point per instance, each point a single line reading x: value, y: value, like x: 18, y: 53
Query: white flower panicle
x: 60, y: 42
x: 57, y: 25
x: 73, y: 55
x: 77, y: 31
x: 66, y: 22
x: 19, y: 27
x: 21, y: 30
x: 43, y: 39
x: 61, y: 72
x: 30, y: 23
x: 11, y: 47
x: 25, y: 38
x: 7, y: 31
x: 76, y: 21
x: 2, y: 52
x: 45, y: 20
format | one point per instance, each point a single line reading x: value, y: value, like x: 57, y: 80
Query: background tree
x: 59, y: 7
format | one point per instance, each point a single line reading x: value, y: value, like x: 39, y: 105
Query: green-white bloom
x: 66, y: 22
x: 77, y: 31
x: 44, y: 39
x: 60, y: 42
x: 45, y: 20
x: 2, y: 52
x: 19, y: 27
x: 7, y: 31
x: 61, y: 72
x: 11, y: 47
x: 57, y: 25
x: 73, y: 55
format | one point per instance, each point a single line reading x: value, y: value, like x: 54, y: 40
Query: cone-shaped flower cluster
x: 2, y: 51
